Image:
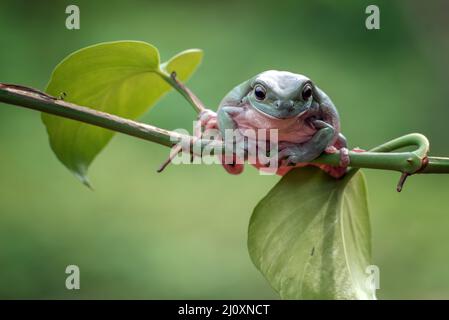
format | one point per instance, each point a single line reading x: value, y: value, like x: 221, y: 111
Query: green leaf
x: 310, y: 236
x: 124, y: 78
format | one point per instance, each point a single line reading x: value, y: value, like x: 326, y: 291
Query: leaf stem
x: 183, y: 90
x: 381, y: 157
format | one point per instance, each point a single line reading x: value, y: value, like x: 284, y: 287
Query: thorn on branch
x: 405, y: 175
x: 402, y: 180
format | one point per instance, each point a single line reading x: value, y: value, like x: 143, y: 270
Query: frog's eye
x: 306, y: 92
x: 260, y: 92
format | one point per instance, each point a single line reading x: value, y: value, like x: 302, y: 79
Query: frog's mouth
x: 280, y: 113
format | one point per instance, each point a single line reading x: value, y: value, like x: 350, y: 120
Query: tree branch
x: 36, y: 100
x: 409, y: 162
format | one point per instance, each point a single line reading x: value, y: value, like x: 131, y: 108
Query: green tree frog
x: 307, y: 121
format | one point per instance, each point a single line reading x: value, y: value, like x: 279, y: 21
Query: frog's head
x: 281, y: 94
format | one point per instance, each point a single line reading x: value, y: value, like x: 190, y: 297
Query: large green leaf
x: 123, y: 78
x: 310, y: 237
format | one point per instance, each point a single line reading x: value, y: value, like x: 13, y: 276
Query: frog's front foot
x: 291, y: 154
x: 344, y: 155
x: 207, y: 119
x: 340, y: 171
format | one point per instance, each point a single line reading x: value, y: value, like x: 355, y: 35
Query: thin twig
x: 172, y: 80
x: 194, y: 101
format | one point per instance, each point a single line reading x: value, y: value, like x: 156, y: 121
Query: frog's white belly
x: 290, y: 130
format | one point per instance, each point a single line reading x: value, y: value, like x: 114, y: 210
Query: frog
x: 307, y: 120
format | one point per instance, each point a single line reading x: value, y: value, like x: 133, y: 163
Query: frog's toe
x: 233, y: 168
x: 290, y: 161
x: 335, y: 172
x: 320, y: 124
x: 288, y: 157
x: 331, y: 150
x: 344, y: 157
x: 232, y: 164
x: 206, y: 115
x: 211, y: 124
x: 359, y: 150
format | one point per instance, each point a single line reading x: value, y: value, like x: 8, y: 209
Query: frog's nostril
x: 287, y: 104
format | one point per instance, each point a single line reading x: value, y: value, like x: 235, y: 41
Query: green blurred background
x: 182, y: 233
